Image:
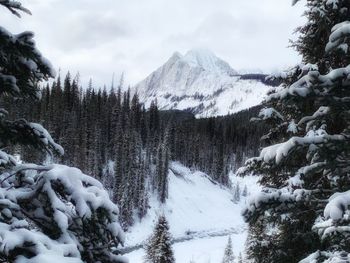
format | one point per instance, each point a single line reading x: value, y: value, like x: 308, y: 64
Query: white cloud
x: 98, y: 38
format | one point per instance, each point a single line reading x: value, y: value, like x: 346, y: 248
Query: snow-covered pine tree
x: 164, y: 190
x: 218, y: 170
x: 321, y: 16
x: 117, y: 142
x: 229, y: 257
x: 108, y: 177
x: 143, y: 190
x: 162, y: 169
x: 158, y: 247
x: 245, y: 191
x: 47, y: 213
x: 302, y: 213
x: 237, y: 193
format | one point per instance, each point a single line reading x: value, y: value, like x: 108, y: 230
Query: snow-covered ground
x: 198, y: 250
x: 201, y: 216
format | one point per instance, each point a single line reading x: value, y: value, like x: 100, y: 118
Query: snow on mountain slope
x: 201, y: 215
x: 202, y: 83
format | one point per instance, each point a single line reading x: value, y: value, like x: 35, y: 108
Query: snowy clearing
x: 201, y: 215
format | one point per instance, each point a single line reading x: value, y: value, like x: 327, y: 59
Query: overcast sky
x: 100, y: 37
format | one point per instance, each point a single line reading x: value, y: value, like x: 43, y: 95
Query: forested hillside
x: 110, y: 135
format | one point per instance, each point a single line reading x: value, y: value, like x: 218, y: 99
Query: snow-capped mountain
x: 201, y: 215
x: 202, y: 83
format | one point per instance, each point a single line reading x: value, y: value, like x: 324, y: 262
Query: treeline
x: 218, y: 145
x: 264, y: 78
x: 110, y: 135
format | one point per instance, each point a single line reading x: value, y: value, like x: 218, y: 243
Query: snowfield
x: 201, y: 215
x: 207, y: 250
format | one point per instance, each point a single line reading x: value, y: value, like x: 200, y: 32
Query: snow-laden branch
x: 338, y: 36
x: 62, y: 213
x: 279, y: 199
x: 312, y: 81
x: 298, y: 179
x: 6, y: 159
x: 322, y: 111
x: 14, y: 7
x: 45, y: 137
x: 23, y: 167
x: 278, y: 152
x: 327, y: 257
x: 338, y: 204
x: 27, y: 133
x: 26, y: 67
x: 270, y: 113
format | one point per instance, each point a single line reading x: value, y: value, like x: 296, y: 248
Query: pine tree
x: 237, y: 193
x: 245, y: 191
x: 322, y: 16
x: 50, y: 212
x: 228, y: 255
x: 305, y: 170
x: 158, y: 248
x: 162, y: 170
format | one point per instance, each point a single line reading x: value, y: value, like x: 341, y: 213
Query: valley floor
x: 199, y: 250
x: 201, y: 215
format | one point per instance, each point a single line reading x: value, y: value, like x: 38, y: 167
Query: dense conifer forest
x: 110, y: 135
x: 69, y: 191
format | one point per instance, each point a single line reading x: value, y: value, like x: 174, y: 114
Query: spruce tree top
x: 158, y: 248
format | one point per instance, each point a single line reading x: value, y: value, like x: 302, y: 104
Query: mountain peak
x: 203, y: 59
x: 177, y: 55
x: 200, y: 57
x: 207, y: 60
x: 200, y: 53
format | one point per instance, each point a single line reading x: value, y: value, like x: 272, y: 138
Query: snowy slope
x: 201, y: 83
x: 201, y: 214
